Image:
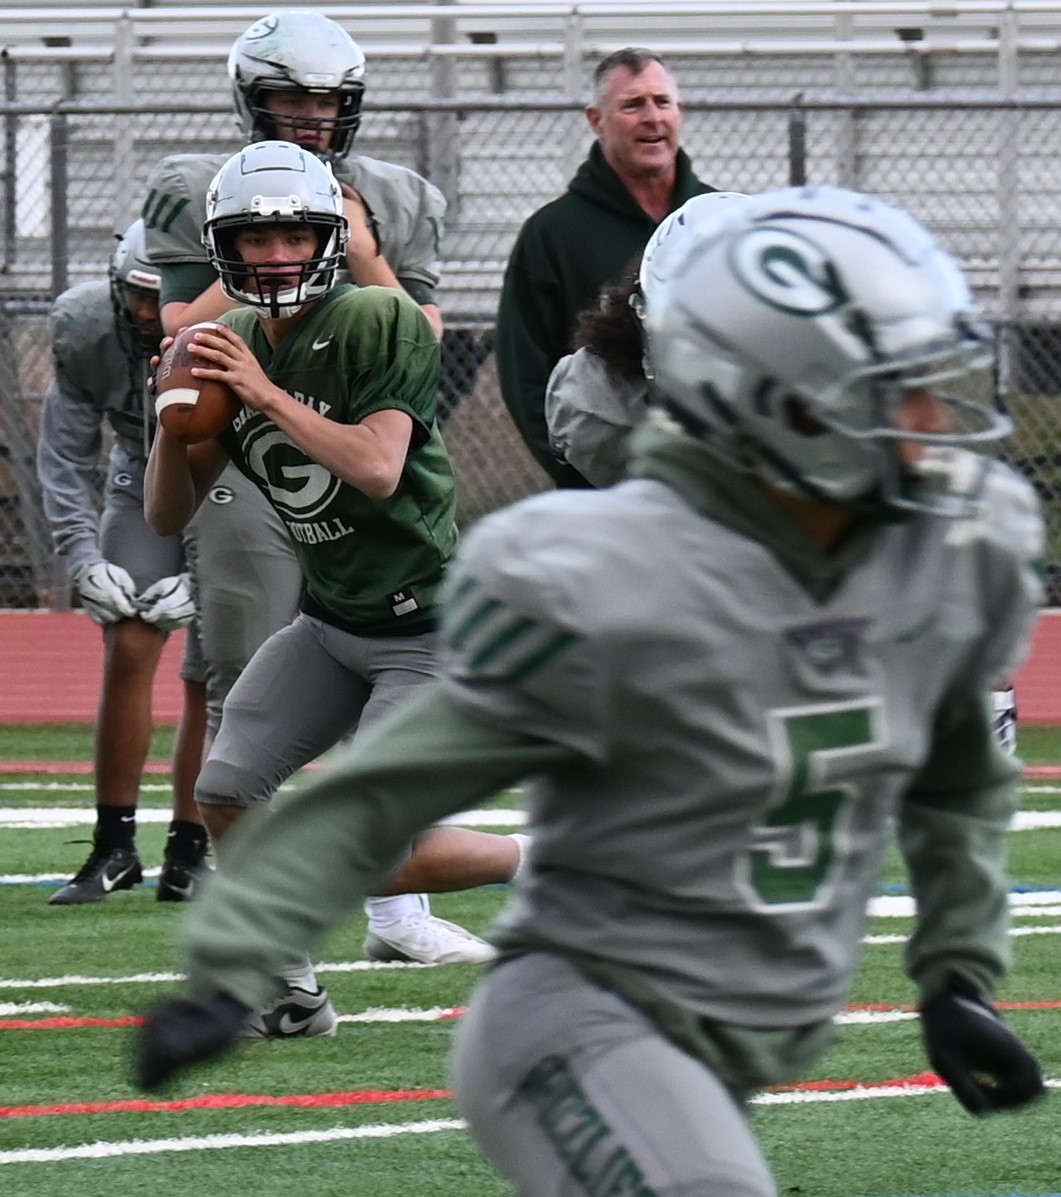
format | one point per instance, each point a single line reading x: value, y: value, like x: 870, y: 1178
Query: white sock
x: 300, y: 975
x: 382, y: 912
x: 1006, y: 718
x: 523, y: 844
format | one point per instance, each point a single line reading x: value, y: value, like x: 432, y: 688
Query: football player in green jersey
x: 734, y: 676
x: 338, y: 431
x: 133, y: 583
x: 296, y: 75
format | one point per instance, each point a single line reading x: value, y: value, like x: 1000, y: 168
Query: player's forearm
x: 354, y: 453
x: 171, y: 491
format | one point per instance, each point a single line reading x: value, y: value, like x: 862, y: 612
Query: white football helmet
x: 271, y: 182
x: 302, y: 51
x: 787, y: 341
x: 128, y: 272
x: 703, y: 215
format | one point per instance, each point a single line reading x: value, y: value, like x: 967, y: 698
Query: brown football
x: 189, y: 408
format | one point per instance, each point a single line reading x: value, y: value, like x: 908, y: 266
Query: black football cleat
x: 180, y: 1032
x: 106, y: 871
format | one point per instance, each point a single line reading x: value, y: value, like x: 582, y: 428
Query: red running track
x: 52, y: 662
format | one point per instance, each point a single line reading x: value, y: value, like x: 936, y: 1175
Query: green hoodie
x: 564, y: 254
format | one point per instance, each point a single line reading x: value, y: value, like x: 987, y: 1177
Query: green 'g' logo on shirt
x: 788, y: 271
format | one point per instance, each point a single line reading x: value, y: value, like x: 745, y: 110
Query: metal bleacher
x: 492, y: 63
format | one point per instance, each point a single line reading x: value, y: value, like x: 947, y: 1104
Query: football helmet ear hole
x: 798, y: 417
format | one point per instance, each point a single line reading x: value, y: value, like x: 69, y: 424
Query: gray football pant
x: 247, y: 580
x: 307, y: 687
x: 128, y: 540
x: 571, y: 1092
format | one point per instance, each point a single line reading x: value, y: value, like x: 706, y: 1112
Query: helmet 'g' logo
x: 261, y: 29
x: 787, y: 271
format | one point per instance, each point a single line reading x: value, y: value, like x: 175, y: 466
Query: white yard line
x: 341, y: 1134
x: 32, y: 817
x: 100, y: 1151
x: 22, y: 1009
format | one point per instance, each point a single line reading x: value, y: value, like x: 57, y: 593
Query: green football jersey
x: 752, y: 717
x: 407, y: 213
x: 375, y: 564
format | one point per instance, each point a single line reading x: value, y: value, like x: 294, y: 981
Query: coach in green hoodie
x: 634, y: 176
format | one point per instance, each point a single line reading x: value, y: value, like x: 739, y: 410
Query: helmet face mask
x: 302, y: 52
x: 266, y: 184
x: 131, y: 276
x: 792, y: 341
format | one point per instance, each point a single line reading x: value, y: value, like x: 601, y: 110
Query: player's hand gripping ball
x: 191, y: 409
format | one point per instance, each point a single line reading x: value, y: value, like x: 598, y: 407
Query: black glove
x: 179, y: 1032
x: 984, y: 1063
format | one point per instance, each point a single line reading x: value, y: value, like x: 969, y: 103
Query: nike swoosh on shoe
x: 108, y: 883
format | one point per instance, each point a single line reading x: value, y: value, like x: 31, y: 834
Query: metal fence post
x: 10, y: 244
x: 59, y: 158
x: 442, y: 165
x: 797, y: 141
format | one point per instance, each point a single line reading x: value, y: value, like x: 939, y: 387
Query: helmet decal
x: 788, y: 271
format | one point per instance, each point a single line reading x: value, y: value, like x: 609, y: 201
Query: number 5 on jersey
x: 795, y: 852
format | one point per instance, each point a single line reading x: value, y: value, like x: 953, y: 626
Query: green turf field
x: 366, y: 1114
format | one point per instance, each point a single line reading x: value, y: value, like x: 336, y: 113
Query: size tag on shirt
x: 403, y: 602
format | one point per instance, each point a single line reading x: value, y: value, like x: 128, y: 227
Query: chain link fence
x: 983, y: 171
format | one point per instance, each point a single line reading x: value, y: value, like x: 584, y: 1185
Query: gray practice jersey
x: 407, y: 214
x: 94, y: 382
x: 590, y: 411
x: 752, y: 715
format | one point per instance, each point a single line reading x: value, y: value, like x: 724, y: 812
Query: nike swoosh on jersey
x: 109, y: 882
x: 322, y: 344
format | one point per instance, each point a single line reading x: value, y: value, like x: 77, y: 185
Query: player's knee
x: 221, y: 783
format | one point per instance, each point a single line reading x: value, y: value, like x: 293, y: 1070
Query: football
x: 189, y: 408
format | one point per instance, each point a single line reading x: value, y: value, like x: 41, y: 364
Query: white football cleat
x: 426, y: 939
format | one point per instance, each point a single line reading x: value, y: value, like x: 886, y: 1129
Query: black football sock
x: 186, y: 841
x: 116, y: 827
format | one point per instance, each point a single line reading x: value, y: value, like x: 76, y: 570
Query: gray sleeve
x: 408, y: 214
x: 422, y: 261
x: 517, y: 649
x: 292, y: 876
x: 952, y: 832
x: 589, y: 414
x: 175, y: 209
x: 67, y: 455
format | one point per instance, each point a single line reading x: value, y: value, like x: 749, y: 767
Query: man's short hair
x: 634, y: 58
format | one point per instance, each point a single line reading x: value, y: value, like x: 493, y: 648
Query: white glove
x: 107, y: 592
x: 168, y: 604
